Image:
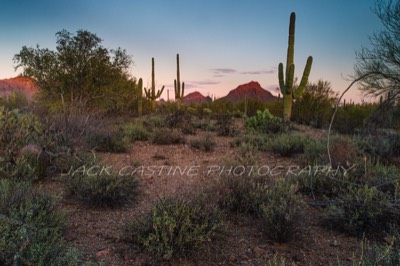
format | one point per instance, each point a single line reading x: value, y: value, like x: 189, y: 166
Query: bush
x: 281, y: 210
x: 362, y: 209
x: 265, y: 122
x: 380, y: 147
x: 166, y: 136
x: 206, y: 143
x: 243, y: 194
x: 225, y: 125
x: 30, y: 228
x: 315, y: 152
x: 101, y: 189
x: 351, y: 117
x: 181, y: 119
x: 175, y: 226
x: 287, y: 145
x: 107, y: 139
x: 343, y: 151
x: 17, y: 100
x: 135, y: 131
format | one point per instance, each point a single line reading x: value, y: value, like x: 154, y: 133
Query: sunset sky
x: 222, y: 43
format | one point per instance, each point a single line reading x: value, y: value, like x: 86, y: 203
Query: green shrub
x: 175, y: 226
x: 287, y: 145
x: 281, y: 210
x: 135, y: 131
x: 244, y: 194
x: 107, y: 139
x: 182, y: 120
x: 166, y: 136
x: 17, y: 130
x: 206, y: 143
x: 153, y: 122
x: 205, y: 125
x: 30, y: 228
x: 225, y: 125
x: 381, y: 146
x: 17, y: 100
x: 101, y: 189
x: 362, y: 209
x: 315, y: 152
x: 351, y: 117
x: 265, y: 122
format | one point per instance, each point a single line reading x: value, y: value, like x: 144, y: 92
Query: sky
x: 221, y: 43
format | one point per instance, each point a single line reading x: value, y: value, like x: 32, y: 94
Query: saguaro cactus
x: 151, y: 93
x: 177, y: 83
x: 286, y: 83
x: 139, y: 95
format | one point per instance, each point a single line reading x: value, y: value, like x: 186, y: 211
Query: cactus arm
x: 304, y: 79
x: 281, y: 79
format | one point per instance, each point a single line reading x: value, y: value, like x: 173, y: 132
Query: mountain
x: 196, y: 97
x: 21, y: 84
x: 251, y: 90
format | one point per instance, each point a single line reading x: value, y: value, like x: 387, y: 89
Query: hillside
x: 20, y: 83
x: 251, y: 90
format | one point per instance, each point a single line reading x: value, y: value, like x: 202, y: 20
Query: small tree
x: 379, y: 66
x: 315, y: 106
x: 80, y: 72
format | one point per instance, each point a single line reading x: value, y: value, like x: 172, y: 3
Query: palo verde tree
x: 286, y: 82
x: 79, y: 72
x: 378, y: 67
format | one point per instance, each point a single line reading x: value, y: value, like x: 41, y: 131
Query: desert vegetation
x: 96, y: 171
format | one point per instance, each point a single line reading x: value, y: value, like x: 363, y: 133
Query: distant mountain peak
x: 251, y: 90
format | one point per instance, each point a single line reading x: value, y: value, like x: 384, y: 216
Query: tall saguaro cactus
x: 151, y: 93
x: 139, y: 95
x: 286, y: 83
x: 179, y: 91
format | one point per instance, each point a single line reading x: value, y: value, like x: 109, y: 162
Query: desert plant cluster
x: 215, y: 183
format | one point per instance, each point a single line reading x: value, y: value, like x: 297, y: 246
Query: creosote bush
x: 286, y: 144
x: 206, y: 143
x: 362, y: 209
x: 175, y: 226
x: 105, y: 139
x: 243, y: 194
x: 135, y: 131
x: 101, y: 189
x: 166, y: 136
x: 281, y: 210
x: 30, y: 228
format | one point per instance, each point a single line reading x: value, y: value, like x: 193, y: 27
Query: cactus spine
x: 177, y: 83
x: 286, y: 83
x: 139, y: 95
x: 151, y: 93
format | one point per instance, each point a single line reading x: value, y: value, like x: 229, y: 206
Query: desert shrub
x: 315, y: 152
x: 166, y: 136
x: 379, y: 147
x: 351, y: 117
x: 175, y: 226
x: 225, y: 125
x: 30, y: 228
x: 205, y: 125
x: 107, y: 139
x: 135, y: 131
x: 281, y: 210
x: 101, y: 188
x: 17, y: 130
x: 258, y: 141
x: 17, y: 100
x: 180, y: 119
x: 286, y: 144
x: 265, y: 122
x: 377, y: 254
x: 315, y: 106
x: 206, y: 143
x: 343, y: 151
x: 362, y: 209
x: 153, y: 122
x: 244, y: 194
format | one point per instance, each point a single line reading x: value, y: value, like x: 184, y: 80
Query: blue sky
x: 222, y: 43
